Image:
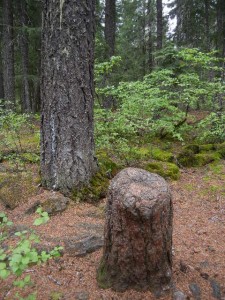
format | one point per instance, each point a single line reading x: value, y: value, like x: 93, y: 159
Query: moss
x: 164, y: 169
x: 30, y: 157
x: 203, y: 159
x: 187, y: 158
x: 161, y: 155
x: 107, y: 166
x: 193, y: 148
x: 54, y: 295
x: 142, y: 153
x: 98, y: 186
x: 94, y: 191
x: 207, y: 147
x: 15, y: 188
x: 221, y: 149
x: 102, y: 280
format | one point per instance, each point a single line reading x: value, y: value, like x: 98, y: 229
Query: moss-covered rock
x: 16, y: 188
x: 164, y: 169
x: 203, y: 159
x: 220, y: 148
x: 161, y: 155
x: 188, y: 159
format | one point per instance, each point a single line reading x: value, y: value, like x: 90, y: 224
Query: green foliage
x: 213, y: 128
x: 158, y: 105
x: 14, y: 260
x: 43, y: 217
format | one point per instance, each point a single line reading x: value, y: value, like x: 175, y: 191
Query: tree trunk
x: 159, y: 24
x: 110, y: 26
x: 23, y: 19
x: 150, y: 60
x: 67, y: 142
x: 138, y: 233
x: 8, y: 54
x: 207, y: 31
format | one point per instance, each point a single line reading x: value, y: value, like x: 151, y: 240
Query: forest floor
x: 198, y: 243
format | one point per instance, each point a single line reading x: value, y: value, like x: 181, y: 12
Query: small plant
x: 44, y: 217
x: 14, y: 260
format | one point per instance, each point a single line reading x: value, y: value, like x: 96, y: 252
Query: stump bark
x: 138, y: 233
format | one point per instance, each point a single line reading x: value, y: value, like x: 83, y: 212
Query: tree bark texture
x: 24, y: 48
x: 159, y: 24
x: 110, y: 26
x: 8, y: 53
x: 67, y: 143
x: 138, y: 233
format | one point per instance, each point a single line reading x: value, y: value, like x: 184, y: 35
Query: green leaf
x: 4, y: 274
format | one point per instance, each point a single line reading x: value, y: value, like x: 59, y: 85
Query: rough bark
x: 159, y: 24
x: 8, y: 53
x: 110, y: 26
x: 24, y: 48
x: 138, y: 233
x: 67, y: 143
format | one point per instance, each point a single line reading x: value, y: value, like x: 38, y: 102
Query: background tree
x: 8, y: 53
x: 110, y: 26
x: 67, y: 143
x: 24, y: 48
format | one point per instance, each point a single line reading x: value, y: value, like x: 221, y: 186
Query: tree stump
x: 138, y: 233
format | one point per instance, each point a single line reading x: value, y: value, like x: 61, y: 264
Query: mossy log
x: 138, y: 234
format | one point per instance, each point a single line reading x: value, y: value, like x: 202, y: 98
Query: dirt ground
x: 198, y: 244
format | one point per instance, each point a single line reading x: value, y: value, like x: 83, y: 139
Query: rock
x: 204, y: 275
x: 195, y: 290
x: 81, y: 246
x: 89, y: 227
x: 82, y: 296
x: 183, y: 267
x: 33, y: 208
x: 178, y: 295
x: 138, y: 233
x: 55, y: 204
x: 216, y: 289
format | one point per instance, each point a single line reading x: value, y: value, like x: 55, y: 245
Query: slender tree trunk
x: 67, y: 134
x: 221, y: 26
x: 150, y: 60
x: 8, y: 54
x: 24, y: 47
x: 159, y: 24
x: 207, y: 32
x: 110, y: 26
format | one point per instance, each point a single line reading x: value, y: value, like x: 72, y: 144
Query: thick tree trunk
x: 67, y: 143
x: 8, y: 54
x: 159, y: 24
x: 138, y: 233
x: 23, y: 19
x: 110, y: 26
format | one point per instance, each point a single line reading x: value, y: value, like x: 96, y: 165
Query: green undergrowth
x: 195, y: 155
